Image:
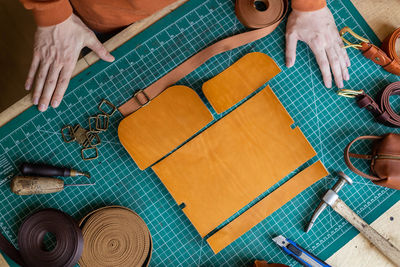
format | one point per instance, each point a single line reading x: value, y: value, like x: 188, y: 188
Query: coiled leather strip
x: 115, y: 236
x: 67, y: 250
x: 264, y: 22
x: 381, y: 109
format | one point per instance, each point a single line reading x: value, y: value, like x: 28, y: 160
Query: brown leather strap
x: 30, y: 240
x: 264, y: 22
x: 115, y: 236
x: 385, y: 56
x: 381, y: 109
x: 347, y: 156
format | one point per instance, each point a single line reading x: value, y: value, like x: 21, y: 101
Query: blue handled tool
x: 299, y: 253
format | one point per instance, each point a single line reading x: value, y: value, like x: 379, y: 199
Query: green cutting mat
x: 328, y: 121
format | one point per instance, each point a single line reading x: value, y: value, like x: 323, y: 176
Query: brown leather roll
x: 67, y: 250
x: 115, y: 236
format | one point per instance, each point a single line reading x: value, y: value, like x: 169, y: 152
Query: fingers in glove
x: 342, y: 61
x: 334, y: 63
x: 323, y: 63
x: 291, y: 44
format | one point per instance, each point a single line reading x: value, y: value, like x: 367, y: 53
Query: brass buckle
x: 89, y: 139
x: 89, y: 148
x: 108, y: 103
x: 350, y: 93
x: 355, y: 35
x: 135, y: 96
x: 102, y: 121
x: 70, y: 133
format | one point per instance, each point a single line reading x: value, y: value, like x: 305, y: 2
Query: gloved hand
x: 56, y: 51
x: 318, y: 30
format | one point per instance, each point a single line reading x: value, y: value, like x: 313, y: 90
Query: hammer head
x: 330, y: 197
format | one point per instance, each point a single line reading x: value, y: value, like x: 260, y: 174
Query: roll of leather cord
x: 69, y: 244
x: 263, y: 16
x: 115, y: 236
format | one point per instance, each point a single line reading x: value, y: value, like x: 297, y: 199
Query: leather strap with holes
x: 385, y: 56
x: 263, y: 23
x: 67, y: 250
x: 381, y: 109
x: 115, y: 236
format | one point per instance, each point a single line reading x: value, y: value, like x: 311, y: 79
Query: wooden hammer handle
x: 381, y: 243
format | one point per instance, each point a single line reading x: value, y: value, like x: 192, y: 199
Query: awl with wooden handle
x: 27, y: 185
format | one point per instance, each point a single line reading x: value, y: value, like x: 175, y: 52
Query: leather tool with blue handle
x: 298, y: 253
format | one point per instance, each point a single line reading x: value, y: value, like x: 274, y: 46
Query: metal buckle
x: 70, y: 133
x: 108, y: 103
x: 89, y: 158
x: 350, y: 93
x: 102, y: 121
x: 355, y: 35
x: 135, y: 96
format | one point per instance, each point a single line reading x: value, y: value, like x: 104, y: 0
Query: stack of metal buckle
x: 89, y: 139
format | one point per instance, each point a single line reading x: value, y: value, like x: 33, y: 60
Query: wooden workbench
x: 382, y: 16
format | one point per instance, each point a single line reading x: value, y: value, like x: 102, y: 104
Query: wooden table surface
x: 383, y: 17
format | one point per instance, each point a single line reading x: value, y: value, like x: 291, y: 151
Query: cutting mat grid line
x: 329, y: 122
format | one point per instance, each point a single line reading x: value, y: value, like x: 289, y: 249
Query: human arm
x: 317, y: 28
x: 56, y: 50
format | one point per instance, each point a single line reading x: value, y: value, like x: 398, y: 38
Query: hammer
x: 332, y: 199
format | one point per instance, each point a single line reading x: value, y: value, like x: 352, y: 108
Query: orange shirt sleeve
x: 48, y: 12
x: 308, y: 5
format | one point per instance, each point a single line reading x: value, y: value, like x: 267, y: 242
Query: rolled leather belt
x: 67, y: 250
x: 381, y: 109
x: 385, y: 56
x: 263, y: 16
x: 115, y: 236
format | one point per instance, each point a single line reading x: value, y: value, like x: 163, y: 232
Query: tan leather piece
x: 235, y: 160
x: 239, y: 80
x: 164, y: 124
x: 385, y: 56
x: 266, y: 206
x: 264, y: 21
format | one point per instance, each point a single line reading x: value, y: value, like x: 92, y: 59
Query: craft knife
x: 298, y: 253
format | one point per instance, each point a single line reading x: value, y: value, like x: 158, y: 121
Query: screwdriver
x: 28, y: 185
x: 45, y: 170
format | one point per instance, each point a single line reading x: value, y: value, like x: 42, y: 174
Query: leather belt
x: 380, y: 109
x: 251, y: 13
x: 115, y: 236
x: 30, y: 240
x: 385, y: 56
